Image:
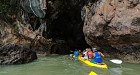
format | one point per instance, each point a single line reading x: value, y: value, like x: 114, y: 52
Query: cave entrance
x: 66, y: 28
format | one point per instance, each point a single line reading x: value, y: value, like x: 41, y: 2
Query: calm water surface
x: 63, y: 65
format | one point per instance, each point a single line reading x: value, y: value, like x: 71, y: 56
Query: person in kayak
x: 71, y: 53
x: 90, y: 54
x: 97, y: 56
x: 85, y: 55
x: 76, y: 53
x: 80, y: 52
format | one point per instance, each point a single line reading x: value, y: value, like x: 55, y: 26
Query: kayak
x: 103, y: 65
x: 92, y: 73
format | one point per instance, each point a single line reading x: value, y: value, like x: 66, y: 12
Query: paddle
x: 116, y: 61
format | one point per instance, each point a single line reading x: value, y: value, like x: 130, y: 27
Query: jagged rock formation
x: 16, y: 54
x: 115, y: 27
x: 17, y: 27
x: 57, y: 32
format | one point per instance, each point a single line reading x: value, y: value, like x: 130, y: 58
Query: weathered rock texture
x: 51, y: 26
x: 114, y: 25
x: 15, y: 54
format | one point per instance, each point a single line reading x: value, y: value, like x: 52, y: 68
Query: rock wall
x: 114, y: 25
x: 16, y: 54
x: 58, y: 32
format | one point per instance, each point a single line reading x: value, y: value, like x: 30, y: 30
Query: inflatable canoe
x: 92, y: 64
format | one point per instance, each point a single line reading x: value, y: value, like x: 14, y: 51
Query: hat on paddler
x: 94, y: 49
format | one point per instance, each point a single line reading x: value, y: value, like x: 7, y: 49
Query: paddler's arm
x: 102, y: 55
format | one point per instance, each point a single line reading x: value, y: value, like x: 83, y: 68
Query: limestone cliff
x: 53, y: 26
x: 115, y: 27
x: 56, y: 26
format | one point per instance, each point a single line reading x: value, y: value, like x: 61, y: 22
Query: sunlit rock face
x: 115, y: 27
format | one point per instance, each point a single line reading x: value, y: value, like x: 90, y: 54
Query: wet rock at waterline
x: 114, y: 26
x: 16, y: 54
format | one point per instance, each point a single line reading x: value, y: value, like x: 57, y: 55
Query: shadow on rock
x: 16, y: 54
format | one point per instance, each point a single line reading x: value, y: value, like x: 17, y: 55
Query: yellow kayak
x: 92, y: 64
x: 92, y: 73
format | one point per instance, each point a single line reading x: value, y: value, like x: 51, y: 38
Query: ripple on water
x: 116, y: 71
